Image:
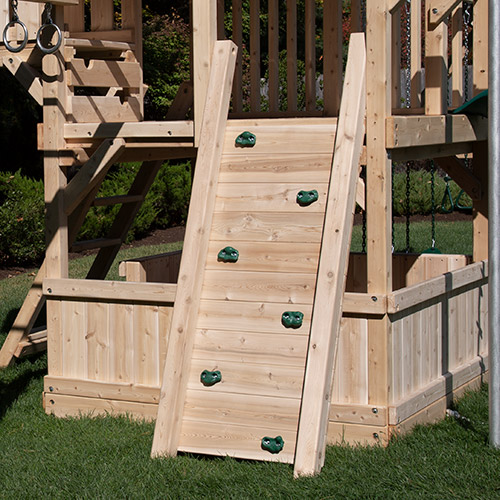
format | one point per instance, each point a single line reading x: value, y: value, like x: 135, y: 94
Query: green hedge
x: 22, y: 239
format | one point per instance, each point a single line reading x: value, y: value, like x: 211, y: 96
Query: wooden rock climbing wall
x: 240, y: 331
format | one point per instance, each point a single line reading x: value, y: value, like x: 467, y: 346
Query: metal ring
x: 52, y: 49
x: 20, y: 47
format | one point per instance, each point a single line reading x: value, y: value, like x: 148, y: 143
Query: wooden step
x: 36, y: 342
x: 116, y: 200
x: 81, y: 246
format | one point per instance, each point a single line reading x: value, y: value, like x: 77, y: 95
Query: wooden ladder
x: 231, y: 320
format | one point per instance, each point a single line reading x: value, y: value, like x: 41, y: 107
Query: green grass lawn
x: 45, y: 457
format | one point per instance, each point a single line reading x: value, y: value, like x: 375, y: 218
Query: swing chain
x: 433, y: 205
x: 408, y: 192
x: 51, y: 48
x: 467, y: 23
x: 408, y: 53
x: 15, y: 20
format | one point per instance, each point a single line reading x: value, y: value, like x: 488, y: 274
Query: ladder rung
x: 115, y: 200
x: 80, y: 246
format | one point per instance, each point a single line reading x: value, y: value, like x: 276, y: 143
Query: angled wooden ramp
x: 231, y: 316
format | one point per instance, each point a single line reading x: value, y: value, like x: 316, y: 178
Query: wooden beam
x: 332, y: 270
x: 92, y: 173
x: 26, y: 75
x: 175, y: 378
x: 480, y: 47
x: 480, y: 207
x: 439, y: 10
x: 462, y: 175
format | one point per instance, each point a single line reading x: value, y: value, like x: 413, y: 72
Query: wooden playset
x: 266, y: 338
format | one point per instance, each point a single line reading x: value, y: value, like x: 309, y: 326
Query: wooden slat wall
x: 113, y: 342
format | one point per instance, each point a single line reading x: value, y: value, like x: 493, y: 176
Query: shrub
x: 22, y: 225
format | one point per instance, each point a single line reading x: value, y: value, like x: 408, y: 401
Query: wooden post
x: 416, y: 53
x: 254, y: 55
x: 291, y: 54
x: 237, y: 38
x: 332, y: 56
x: 457, y: 54
x: 332, y: 270
x: 310, y: 54
x: 273, y: 47
x: 204, y: 26
x: 378, y: 192
x: 178, y: 359
x: 480, y: 47
x: 480, y: 207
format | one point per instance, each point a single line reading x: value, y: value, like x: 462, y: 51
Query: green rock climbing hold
x: 292, y: 319
x: 306, y: 198
x: 208, y: 378
x: 246, y: 140
x: 272, y: 445
x: 228, y: 254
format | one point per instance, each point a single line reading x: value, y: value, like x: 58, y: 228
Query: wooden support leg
x: 480, y: 207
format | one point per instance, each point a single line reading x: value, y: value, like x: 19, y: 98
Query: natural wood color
x: 310, y: 54
x: 436, y: 65
x: 124, y: 35
x: 92, y: 173
x: 204, y: 23
x: 182, y: 102
x: 168, y: 426
x: 480, y: 207
x: 358, y: 414
x: 119, y: 291
x: 480, y: 47
x: 357, y: 435
x: 332, y: 271
x: 433, y: 151
x: 105, y: 109
x: 106, y: 201
x: 255, y: 55
x: 413, y: 295
x: 100, y: 73
x: 407, y: 131
x: 26, y: 75
x: 457, y: 54
x: 439, y: 10
x: 237, y: 38
x: 101, y: 15
x: 291, y: 54
x: 143, y: 130
x: 416, y: 53
x: 273, y: 51
x: 57, y: 2
x: 162, y: 268
x: 81, y: 246
x: 462, y: 175
x: 365, y: 304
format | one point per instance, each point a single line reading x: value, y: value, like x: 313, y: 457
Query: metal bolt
x: 51, y: 389
x: 434, y: 10
x: 374, y: 298
x: 52, y: 402
x: 49, y: 290
x: 375, y: 410
x: 375, y: 435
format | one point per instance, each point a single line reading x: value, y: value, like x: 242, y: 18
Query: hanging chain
x: 363, y: 15
x: 392, y: 207
x: 408, y: 207
x: 466, y: 29
x: 48, y: 13
x: 363, y: 215
x: 15, y: 15
x: 433, y: 205
x: 408, y: 53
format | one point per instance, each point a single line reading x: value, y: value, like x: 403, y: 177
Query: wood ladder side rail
x: 332, y: 270
x: 186, y: 306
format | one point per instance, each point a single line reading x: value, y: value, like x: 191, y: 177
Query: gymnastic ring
x: 48, y: 50
x: 6, y: 41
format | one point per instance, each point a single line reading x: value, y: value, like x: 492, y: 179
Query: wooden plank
x: 407, y: 131
x: 168, y: 428
x: 74, y: 345
x: 264, y: 226
x: 297, y: 136
x: 101, y: 15
x: 92, y: 173
x: 269, y: 256
x: 123, y: 35
x: 146, y: 345
x: 462, y: 175
x: 434, y: 151
x: 480, y: 47
x: 74, y: 17
x: 436, y: 65
x: 26, y: 75
x: 255, y: 55
x: 439, y: 10
x: 261, y: 379
x: 210, y: 438
x: 457, y: 54
x: 416, y: 53
x: 358, y: 414
x: 132, y: 22
x: 237, y: 38
x: 278, y: 414
x: 61, y: 405
x: 357, y: 435
x: 273, y: 51
x: 250, y: 316
x: 327, y: 313
x: 259, y: 197
x: 362, y: 303
x: 146, y: 130
x: 414, y: 295
x: 276, y: 167
x: 162, y: 268
x: 98, y: 341
x: 291, y: 55
x: 286, y: 349
x: 103, y: 390
x: 310, y: 54
x: 204, y: 18
x: 100, y: 73
x: 105, y: 109
x: 480, y: 207
x: 57, y: 2
x: 115, y: 291
x: 121, y: 339
x: 228, y: 284
x: 332, y: 56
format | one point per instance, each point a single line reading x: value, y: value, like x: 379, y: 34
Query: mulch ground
x: 173, y: 234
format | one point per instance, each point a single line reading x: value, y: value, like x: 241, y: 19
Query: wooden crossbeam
x: 26, y: 76
x: 463, y: 176
x: 332, y: 270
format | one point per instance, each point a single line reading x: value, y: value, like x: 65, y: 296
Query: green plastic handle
x: 246, y: 140
x: 306, y: 198
x: 292, y: 319
x: 228, y: 254
x: 272, y: 445
x: 208, y: 378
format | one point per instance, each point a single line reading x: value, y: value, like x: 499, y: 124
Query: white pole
x: 494, y: 220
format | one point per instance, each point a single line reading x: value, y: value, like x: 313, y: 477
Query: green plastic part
x: 228, y: 254
x: 272, y: 445
x: 432, y: 250
x: 306, y: 198
x: 246, y: 140
x: 292, y: 319
x: 208, y: 378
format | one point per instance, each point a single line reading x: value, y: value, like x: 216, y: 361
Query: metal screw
x: 49, y: 290
x: 375, y: 435
x: 434, y: 11
x: 375, y: 410
x: 51, y: 389
x: 52, y: 402
x: 374, y: 298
